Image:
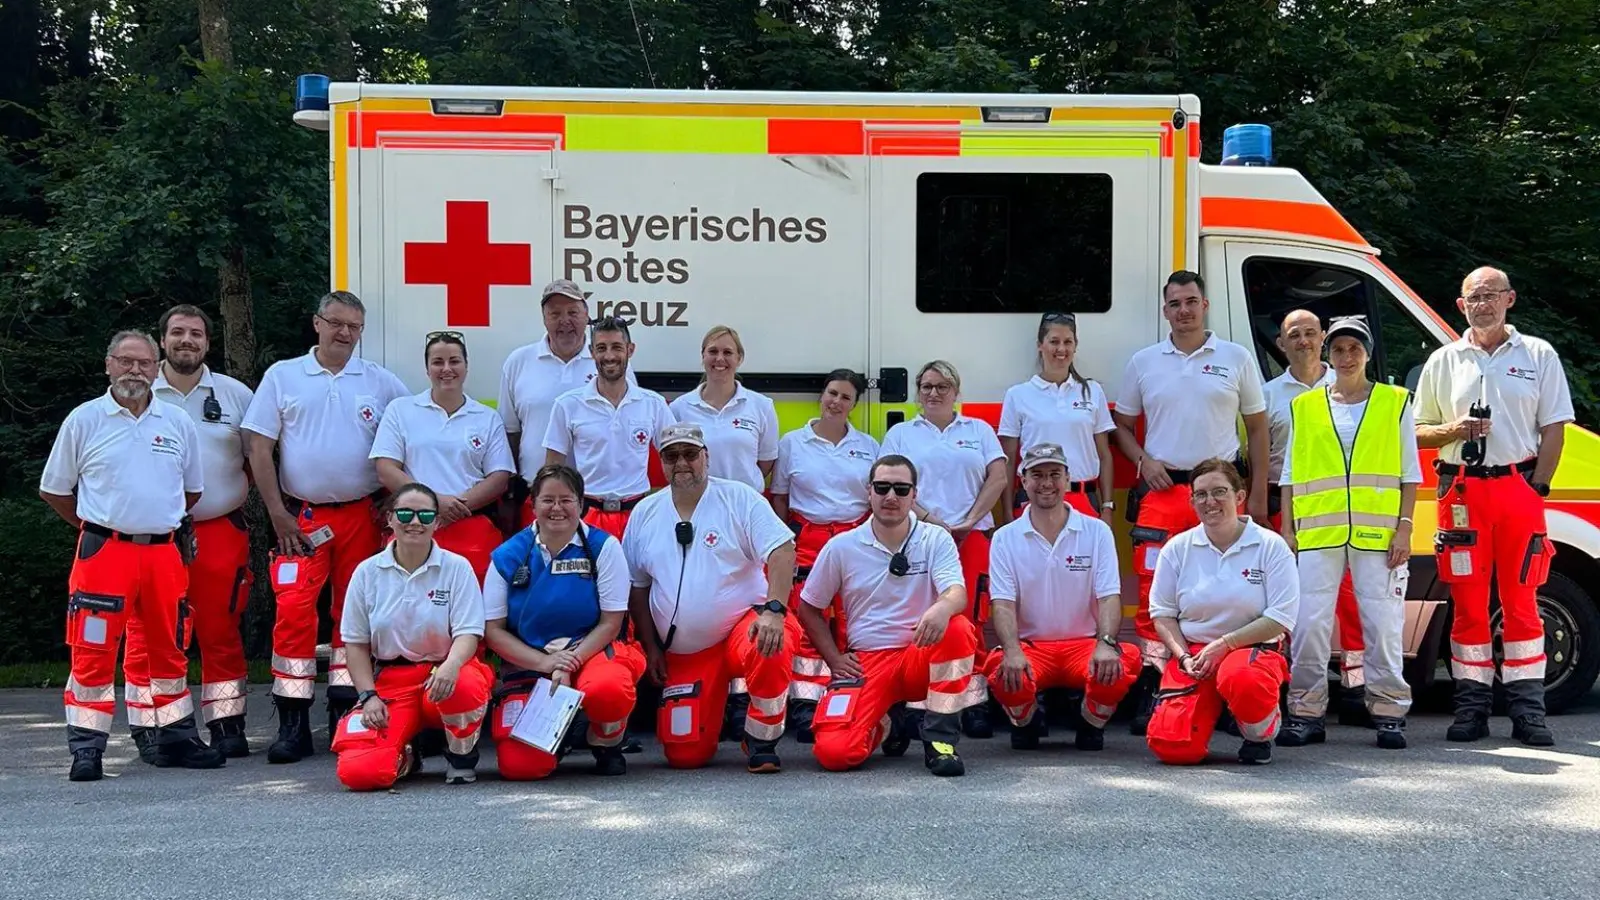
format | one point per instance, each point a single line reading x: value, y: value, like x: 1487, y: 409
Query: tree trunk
x: 238, y: 316
x: 214, y: 40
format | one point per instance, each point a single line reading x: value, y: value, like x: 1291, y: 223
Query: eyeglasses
x: 900, y: 488
x: 1479, y: 298
x: 688, y: 454
x: 133, y: 362
x: 1220, y: 495
x: 404, y: 515
x: 1052, y: 318
x: 936, y: 388
x: 438, y: 336
x: 352, y: 327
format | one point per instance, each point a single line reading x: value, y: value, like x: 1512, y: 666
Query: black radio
x: 1472, y: 452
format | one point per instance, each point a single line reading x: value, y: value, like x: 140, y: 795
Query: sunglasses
x: 443, y: 335
x: 671, y: 456
x: 1063, y: 317
x: 404, y: 515
x: 900, y: 488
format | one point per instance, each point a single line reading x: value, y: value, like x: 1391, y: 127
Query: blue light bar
x: 1247, y: 145
x: 310, y: 92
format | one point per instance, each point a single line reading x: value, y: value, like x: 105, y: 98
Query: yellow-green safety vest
x: 1337, y: 503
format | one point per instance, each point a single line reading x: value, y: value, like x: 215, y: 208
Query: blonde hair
x: 718, y: 331
x: 943, y: 368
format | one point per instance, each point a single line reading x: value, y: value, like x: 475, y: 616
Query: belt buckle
x: 145, y: 539
x: 611, y: 504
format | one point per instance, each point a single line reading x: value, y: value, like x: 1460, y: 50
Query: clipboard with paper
x: 545, y: 715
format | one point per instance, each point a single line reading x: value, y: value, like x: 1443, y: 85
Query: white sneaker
x: 453, y: 775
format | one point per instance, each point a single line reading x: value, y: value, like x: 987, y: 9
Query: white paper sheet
x: 545, y: 717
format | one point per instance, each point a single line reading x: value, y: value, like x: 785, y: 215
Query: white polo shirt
x: 950, y: 463
x: 1280, y: 392
x: 1347, y: 421
x: 412, y: 615
x: 881, y: 611
x: 1522, y: 381
x: 1192, y: 403
x: 531, y: 380
x: 324, y: 425
x: 1211, y: 593
x: 1070, y: 414
x: 608, y: 445
x: 724, y: 570
x: 221, y: 441
x: 1056, y: 587
x: 130, y: 473
x: 825, y: 482
x: 449, y: 452
x: 739, y: 435
x: 612, y: 578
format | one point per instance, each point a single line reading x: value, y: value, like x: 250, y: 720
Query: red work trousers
x: 1169, y: 513
x: 219, y: 590
x: 853, y: 718
x: 1247, y: 683
x: 689, y: 720
x: 1347, y: 628
x: 1492, y: 531
x: 474, y: 537
x: 115, y: 587
x: 607, y: 681
x: 370, y: 759
x: 810, y: 671
x: 1063, y: 664
x: 298, y: 580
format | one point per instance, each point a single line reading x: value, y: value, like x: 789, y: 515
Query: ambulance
x: 875, y: 232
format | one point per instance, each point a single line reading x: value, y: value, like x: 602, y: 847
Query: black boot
x: 1089, y: 737
x: 1473, y: 701
x: 1353, y: 708
x: 145, y: 740
x: 1145, y: 691
x: 734, y: 715
x: 800, y: 715
x: 1391, y: 733
x: 941, y: 759
x: 85, y: 765
x: 189, y: 753
x: 1299, y: 731
x: 975, y: 721
x: 1525, y: 697
x: 763, y: 756
x: 1255, y: 753
x: 340, y: 702
x: 610, y: 761
x: 905, y: 725
x: 294, y: 731
x: 1531, y: 729
x: 1026, y: 736
x: 227, y: 735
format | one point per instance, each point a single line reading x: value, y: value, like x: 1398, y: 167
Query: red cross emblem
x: 158, y: 440
x: 712, y: 538
x: 640, y: 437
x: 467, y: 263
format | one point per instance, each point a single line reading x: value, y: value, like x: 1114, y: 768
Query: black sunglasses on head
x: 444, y: 335
x: 900, y: 488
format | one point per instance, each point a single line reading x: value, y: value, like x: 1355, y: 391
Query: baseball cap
x: 562, y: 287
x: 1351, y: 326
x: 1040, y: 454
x: 681, y: 434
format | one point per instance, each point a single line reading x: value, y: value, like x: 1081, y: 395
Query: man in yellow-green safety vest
x: 1349, y: 484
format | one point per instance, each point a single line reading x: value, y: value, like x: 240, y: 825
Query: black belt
x: 302, y: 504
x: 612, y: 505
x: 1185, y: 476
x: 1526, y: 467
x: 105, y: 532
x: 801, y: 573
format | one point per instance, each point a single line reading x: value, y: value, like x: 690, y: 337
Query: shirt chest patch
x: 1078, y: 563
x: 367, y: 413
x: 1216, y: 370
x: 439, y: 596
x: 711, y: 540
x: 569, y: 567
x: 1253, y: 576
x: 743, y: 423
x: 163, y: 444
x: 1082, y: 405
x: 857, y: 454
x: 1523, y: 373
x: 967, y: 444
x: 641, y: 438
x: 475, y: 441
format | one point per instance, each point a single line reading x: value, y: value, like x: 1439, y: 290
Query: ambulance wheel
x: 1571, y: 643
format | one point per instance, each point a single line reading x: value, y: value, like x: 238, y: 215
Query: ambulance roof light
x: 1247, y: 145
x: 1016, y: 114
x: 310, y: 92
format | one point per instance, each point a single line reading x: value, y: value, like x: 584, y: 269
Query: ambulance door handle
x: 892, y: 385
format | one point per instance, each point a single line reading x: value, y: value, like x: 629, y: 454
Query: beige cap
x: 1040, y: 454
x: 681, y: 434
x: 561, y: 287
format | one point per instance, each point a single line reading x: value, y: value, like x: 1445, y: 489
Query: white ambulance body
x: 869, y: 231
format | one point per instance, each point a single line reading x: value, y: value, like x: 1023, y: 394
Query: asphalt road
x: 1493, y: 820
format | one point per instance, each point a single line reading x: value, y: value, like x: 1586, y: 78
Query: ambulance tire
x: 1572, y: 643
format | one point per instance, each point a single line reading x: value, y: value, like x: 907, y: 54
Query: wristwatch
x: 364, y: 696
x: 771, y: 606
x: 1109, y: 504
x: 1110, y: 641
x: 1541, y: 488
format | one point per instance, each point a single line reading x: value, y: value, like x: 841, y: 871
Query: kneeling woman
x: 413, y: 617
x: 1224, y: 595
x: 555, y: 598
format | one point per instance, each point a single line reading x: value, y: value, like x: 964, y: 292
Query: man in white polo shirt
x: 1192, y: 389
x: 900, y: 582
x: 604, y: 429
x: 712, y: 565
x: 320, y: 412
x: 1057, y: 595
x: 219, y: 575
x: 124, y: 470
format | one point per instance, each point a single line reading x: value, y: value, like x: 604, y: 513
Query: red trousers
x: 1347, y: 621
x: 1058, y: 664
x: 474, y: 537
x: 810, y: 671
x: 116, y: 587
x: 298, y: 580
x: 853, y: 719
x: 1166, y: 511
x: 1247, y: 682
x: 689, y: 720
x: 1503, y: 518
x: 219, y: 590
x: 607, y: 681
x: 370, y: 758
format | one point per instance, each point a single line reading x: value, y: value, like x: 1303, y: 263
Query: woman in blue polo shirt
x: 555, y: 597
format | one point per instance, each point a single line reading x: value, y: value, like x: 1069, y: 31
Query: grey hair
x: 343, y: 298
x: 129, y: 334
x: 943, y: 368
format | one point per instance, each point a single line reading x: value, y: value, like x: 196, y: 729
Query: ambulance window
x: 1013, y: 243
x: 1406, y: 344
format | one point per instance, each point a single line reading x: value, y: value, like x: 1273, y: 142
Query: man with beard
x: 536, y: 374
x: 219, y: 574
x: 604, y: 430
x: 712, y: 567
x: 320, y: 412
x: 134, y: 463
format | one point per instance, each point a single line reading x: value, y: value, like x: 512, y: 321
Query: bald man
x: 1496, y: 404
x: 1300, y: 337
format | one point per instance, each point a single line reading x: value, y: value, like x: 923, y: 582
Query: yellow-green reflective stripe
x: 666, y: 134
x: 1340, y: 520
x: 1338, y: 482
x: 1058, y: 144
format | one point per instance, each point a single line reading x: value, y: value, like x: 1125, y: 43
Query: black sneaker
x: 190, y: 753
x: 1391, y: 735
x: 294, y: 736
x: 1255, y: 753
x: 1531, y: 730
x: 902, y: 728
x: 763, y: 757
x: 1299, y: 731
x: 1470, y: 725
x: 975, y: 722
x: 609, y: 761
x: 85, y: 765
x: 942, y: 760
x: 227, y: 735
x: 1026, y: 737
x: 799, y: 720
x: 1090, y: 738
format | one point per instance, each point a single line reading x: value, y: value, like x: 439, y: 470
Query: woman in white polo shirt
x: 740, y: 425
x: 961, y: 474
x: 1225, y: 594
x: 819, y: 487
x: 453, y: 444
x: 413, y: 617
x: 1059, y: 406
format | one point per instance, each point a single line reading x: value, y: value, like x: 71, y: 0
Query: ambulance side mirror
x: 1412, y: 377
